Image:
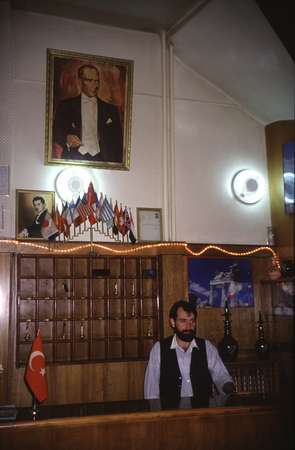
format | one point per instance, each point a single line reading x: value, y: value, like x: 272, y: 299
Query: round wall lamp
x: 72, y: 182
x: 248, y: 186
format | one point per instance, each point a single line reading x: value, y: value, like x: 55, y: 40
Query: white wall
x: 5, y: 110
x: 213, y: 138
x: 33, y: 34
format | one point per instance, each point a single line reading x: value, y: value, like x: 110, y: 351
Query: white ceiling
x: 229, y: 42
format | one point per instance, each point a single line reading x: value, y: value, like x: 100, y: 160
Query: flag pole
x: 91, y: 240
x: 34, y: 408
x: 35, y: 378
x: 91, y: 235
x: 34, y: 400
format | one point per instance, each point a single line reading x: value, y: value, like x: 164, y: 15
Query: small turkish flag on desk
x: 35, y: 375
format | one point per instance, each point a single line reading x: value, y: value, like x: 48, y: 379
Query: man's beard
x: 186, y: 336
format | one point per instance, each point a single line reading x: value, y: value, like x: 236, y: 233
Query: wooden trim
x: 233, y: 427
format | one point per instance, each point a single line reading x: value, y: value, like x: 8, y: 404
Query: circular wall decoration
x: 248, y: 186
x: 72, y: 182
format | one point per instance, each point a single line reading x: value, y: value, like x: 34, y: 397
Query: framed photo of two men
x: 88, y: 110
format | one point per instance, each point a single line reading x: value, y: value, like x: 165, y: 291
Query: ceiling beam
x: 192, y: 12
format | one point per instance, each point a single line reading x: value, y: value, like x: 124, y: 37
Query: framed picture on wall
x: 283, y: 298
x: 149, y: 224
x: 34, y: 215
x: 289, y: 176
x: 212, y: 281
x: 88, y: 110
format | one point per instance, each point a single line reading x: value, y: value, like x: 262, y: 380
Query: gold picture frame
x: 31, y: 214
x: 103, y: 138
x: 149, y: 224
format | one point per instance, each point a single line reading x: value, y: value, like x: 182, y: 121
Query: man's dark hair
x: 184, y: 305
x: 35, y: 199
x: 86, y: 66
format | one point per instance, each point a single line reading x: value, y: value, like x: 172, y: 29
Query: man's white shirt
x: 218, y: 371
x: 90, y: 139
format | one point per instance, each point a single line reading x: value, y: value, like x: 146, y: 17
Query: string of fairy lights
x: 133, y: 249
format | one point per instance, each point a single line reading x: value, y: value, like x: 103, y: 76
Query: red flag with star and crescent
x: 35, y: 375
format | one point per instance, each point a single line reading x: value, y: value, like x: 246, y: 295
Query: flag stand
x: 92, y: 252
x: 91, y: 238
x: 95, y: 210
x: 34, y: 407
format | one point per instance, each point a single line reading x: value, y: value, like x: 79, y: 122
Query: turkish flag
x: 91, y: 195
x: 35, y: 375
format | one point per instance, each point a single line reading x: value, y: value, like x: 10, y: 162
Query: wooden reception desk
x: 132, y: 426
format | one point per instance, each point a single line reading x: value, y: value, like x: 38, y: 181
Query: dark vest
x: 170, y: 376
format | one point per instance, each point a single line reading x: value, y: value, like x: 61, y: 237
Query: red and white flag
x: 92, y: 201
x: 35, y: 375
x: 122, y: 226
x: 48, y: 228
x: 57, y: 219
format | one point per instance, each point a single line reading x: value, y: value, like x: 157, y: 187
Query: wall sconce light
x: 248, y: 186
x: 72, y: 182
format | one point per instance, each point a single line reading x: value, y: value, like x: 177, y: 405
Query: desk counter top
x: 134, y: 426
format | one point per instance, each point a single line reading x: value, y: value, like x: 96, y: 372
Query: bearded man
x: 185, y: 366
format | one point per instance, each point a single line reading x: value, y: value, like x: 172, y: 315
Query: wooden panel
x: 219, y: 428
x: 279, y: 328
x: 210, y: 326
x: 260, y: 377
x: 115, y: 381
x: 174, y: 284
x: 78, y: 383
x: 210, y: 320
x: 83, y: 317
x: 85, y: 383
x: 277, y: 134
x: 4, y: 324
x: 119, y: 381
x: 68, y: 384
x: 135, y: 379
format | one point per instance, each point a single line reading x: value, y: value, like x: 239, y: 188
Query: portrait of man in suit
x: 34, y: 215
x: 90, y: 112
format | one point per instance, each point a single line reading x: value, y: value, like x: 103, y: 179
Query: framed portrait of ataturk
x: 88, y: 110
x: 35, y: 215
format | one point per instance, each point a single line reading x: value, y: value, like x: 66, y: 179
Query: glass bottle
x: 228, y: 347
x: 261, y: 346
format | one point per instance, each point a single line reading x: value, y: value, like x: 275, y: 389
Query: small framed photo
x: 34, y: 215
x: 149, y: 224
x: 88, y: 110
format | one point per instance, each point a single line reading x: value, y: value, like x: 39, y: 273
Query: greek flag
x: 107, y: 213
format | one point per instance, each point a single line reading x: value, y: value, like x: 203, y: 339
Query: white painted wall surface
x: 213, y: 140
x: 33, y: 34
x: 213, y: 137
x: 5, y: 114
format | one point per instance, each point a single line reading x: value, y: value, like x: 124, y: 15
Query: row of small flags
x: 94, y: 210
